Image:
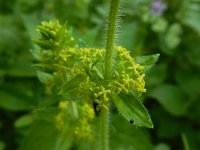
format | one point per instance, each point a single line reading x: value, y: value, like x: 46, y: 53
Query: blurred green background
x: 168, y: 27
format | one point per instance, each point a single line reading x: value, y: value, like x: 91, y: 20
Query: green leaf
x: 23, y: 121
x: 185, y: 141
x: 162, y: 146
x: 189, y: 81
x: 11, y: 102
x: 43, y: 76
x: 2, y: 145
x: 21, y: 69
x: 98, y: 73
x: 132, y: 109
x: 157, y: 75
x: 36, y: 54
x: 160, y: 25
x: 125, y: 136
x: 147, y: 61
x: 95, y: 75
x: 30, y: 22
x: 172, y: 37
x: 74, y: 82
x: 171, y: 98
x: 69, y: 91
x: 193, y: 55
x: 44, y: 136
x: 191, y: 17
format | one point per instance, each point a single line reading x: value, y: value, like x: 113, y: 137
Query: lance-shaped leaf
x: 44, y: 77
x: 132, y: 110
x: 147, y: 61
x: 70, y: 89
x: 74, y: 82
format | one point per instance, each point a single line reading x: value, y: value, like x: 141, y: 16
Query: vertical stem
x: 112, y: 23
x: 104, y: 130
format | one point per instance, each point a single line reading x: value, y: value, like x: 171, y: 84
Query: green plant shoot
x: 87, y: 79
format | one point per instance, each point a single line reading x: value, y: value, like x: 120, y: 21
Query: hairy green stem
x: 104, y: 130
x: 112, y: 23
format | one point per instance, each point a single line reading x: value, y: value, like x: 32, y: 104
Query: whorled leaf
x: 132, y: 110
x: 23, y: 121
x: 71, y: 88
x: 44, y: 77
x: 147, y: 61
x: 74, y: 82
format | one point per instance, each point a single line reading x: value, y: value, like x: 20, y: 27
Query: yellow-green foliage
x: 63, y: 60
x: 81, y: 126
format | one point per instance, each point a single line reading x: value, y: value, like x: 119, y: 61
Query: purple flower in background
x: 158, y: 7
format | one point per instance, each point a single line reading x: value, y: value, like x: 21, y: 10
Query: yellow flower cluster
x: 128, y: 74
x: 83, y: 129
x: 140, y: 85
x: 66, y: 54
x: 101, y: 96
x: 123, y: 82
x: 60, y: 117
x: 97, y: 94
x: 65, y: 61
x: 86, y: 87
x: 88, y: 55
x: 128, y: 62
